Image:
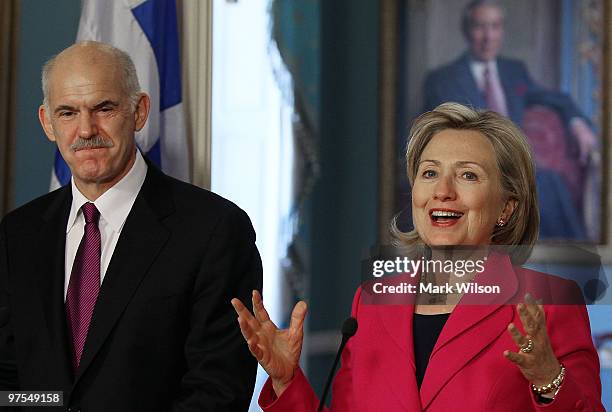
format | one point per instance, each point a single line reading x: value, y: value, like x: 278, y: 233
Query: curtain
x: 296, y: 35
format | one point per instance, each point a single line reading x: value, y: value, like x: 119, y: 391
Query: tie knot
x: 91, y: 213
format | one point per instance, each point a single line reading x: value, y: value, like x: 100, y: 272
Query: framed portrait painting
x: 541, y: 63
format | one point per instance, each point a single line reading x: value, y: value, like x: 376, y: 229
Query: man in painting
x: 484, y: 79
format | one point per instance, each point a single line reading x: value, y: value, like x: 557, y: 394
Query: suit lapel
x: 507, y: 79
x: 141, y: 240
x: 474, y: 323
x: 399, y: 365
x: 468, y: 84
x: 48, y: 280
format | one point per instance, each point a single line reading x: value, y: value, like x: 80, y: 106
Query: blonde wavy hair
x: 514, y: 161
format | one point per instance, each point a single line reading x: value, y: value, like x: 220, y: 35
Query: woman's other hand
x: 277, y: 350
x: 537, y: 361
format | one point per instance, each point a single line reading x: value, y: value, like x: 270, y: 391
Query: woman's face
x: 457, y: 196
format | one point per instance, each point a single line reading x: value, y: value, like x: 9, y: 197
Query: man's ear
x: 141, y: 114
x: 45, y: 122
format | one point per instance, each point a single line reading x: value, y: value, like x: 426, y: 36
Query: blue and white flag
x: 147, y: 30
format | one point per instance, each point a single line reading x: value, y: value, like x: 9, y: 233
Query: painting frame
x: 9, y: 16
x: 391, y: 164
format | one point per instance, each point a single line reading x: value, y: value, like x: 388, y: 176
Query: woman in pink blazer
x: 473, y: 185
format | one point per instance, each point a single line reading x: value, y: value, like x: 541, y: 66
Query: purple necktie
x: 492, y: 97
x: 84, y: 283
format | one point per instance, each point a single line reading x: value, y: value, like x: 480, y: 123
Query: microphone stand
x: 349, y: 328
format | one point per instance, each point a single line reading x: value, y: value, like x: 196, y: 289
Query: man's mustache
x: 96, y: 142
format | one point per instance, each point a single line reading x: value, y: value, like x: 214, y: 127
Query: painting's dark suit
x: 455, y: 83
x: 163, y: 334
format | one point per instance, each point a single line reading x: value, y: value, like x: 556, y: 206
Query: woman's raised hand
x: 535, y: 357
x: 277, y: 350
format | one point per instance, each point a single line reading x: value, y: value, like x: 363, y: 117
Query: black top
x: 425, y: 331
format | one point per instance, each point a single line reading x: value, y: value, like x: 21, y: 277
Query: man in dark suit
x: 483, y: 79
x: 116, y: 289
x: 456, y: 82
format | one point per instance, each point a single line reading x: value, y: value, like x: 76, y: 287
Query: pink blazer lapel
x: 467, y: 332
x: 474, y: 323
x: 398, y: 365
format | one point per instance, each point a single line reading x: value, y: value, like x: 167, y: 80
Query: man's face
x: 91, y: 117
x: 486, y: 32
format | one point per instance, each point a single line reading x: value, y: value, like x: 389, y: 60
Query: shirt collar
x: 115, y: 204
x: 477, y: 68
x: 479, y: 65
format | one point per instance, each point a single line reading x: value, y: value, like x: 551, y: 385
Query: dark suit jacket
x: 163, y: 334
x: 454, y: 83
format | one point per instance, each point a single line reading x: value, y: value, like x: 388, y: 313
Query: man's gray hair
x: 131, y: 86
x: 466, y: 16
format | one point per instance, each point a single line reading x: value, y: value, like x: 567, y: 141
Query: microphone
x: 349, y: 328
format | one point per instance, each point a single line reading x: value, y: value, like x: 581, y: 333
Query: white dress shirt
x: 478, y: 68
x: 114, y: 206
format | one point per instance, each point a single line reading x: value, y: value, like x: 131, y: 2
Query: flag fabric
x: 147, y: 30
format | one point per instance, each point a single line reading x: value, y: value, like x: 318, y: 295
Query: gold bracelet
x: 553, y: 386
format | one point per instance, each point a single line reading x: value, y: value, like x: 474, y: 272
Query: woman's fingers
x: 532, y: 317
x: 251, y: 338
x: 516, y: 335
x: 535, y: 357
x: 297, y: 318
x: 249, y: 325
x: 240, y: 309
x: 521, y: 341
x: 515, y: 358
x: 274, y: 349
x: 245, y: 328
x: 258, y: 307
x: 535, y: 308
x: 527, y: 319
